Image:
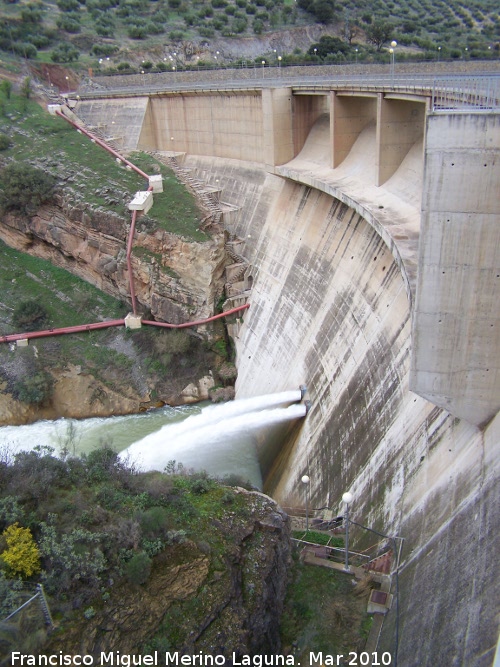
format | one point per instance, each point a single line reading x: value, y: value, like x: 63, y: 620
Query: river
x: 221, y: 439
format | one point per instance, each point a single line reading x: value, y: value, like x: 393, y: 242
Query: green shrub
x: 64, y: 53
x: 102, y: 464
x: 5, y: 142
x: 68, y: 23
x: 137, y: 32
x: 201, y: 486
x: 104, y: 49
x: 29, y: 315
x: 6, y: 88
x: 68, y: 5
x: 70, y: 558
x: 10, y: 510
x: 138, y: 568
x: 34, y: 389
x: 154, y: 521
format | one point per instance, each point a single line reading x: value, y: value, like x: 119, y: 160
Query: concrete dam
x: 369, y: 218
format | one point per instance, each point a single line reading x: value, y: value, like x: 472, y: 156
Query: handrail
x: 325, y: 546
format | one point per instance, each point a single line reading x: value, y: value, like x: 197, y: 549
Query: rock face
x: 175, y: 279
x: 199, y: 601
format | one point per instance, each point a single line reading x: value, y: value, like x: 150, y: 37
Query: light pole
x: 347, y: 498
x: 279, y: 65
x: 439, y: 53
x: 306, y: 480
x: 393, y: 57
x: 263, y: 65
x: 356, y: 52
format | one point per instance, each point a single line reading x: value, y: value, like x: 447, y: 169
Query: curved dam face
x: 329, y: 308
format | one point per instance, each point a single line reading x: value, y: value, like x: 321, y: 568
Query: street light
x: 356, y: 52
x: 393, y: 56
x: 347, y: 498
x: 306, y: 480
x: 263, y: 65
x: 279, y: 65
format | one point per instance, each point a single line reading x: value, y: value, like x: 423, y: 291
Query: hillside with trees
x: 159, y: 35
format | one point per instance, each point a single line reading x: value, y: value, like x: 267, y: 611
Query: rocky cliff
x: 198, y: 600
x: 177, y: 280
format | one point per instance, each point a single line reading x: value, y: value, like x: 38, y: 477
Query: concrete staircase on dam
x: 238, y: 273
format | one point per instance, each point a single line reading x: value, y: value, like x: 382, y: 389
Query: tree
x: 379, y: 33
x: 64, y: 53
x: 21, y: 556
x: 327, y: 45
x: 323, y: 10
x: 25, y: 188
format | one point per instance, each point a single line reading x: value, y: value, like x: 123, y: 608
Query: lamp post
x: 347, y: 498
x: 439, y: 53
x: 306, y: 480
x: 279, y: 65
x: 356, y: 50
x: 393, y: 57
x: 263, y: 65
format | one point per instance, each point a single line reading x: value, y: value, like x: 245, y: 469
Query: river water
x: 221, y: 439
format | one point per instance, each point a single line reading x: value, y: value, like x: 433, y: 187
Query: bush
x: 102, y: 464
x: 68, y: 24
x: 21, y: 556
x: 68, y: 5
x: 71, y: 557
x: 25, y: 187
x: 25, y: 50
x: 137, y: 32
x: 34, y: 389
x: 5, y: 142
x: 64, y: 53
x: 10, y: 510
x: 104, y: 49
x: 29, y: 315
x: 138, y: 568
x: 6, y: 88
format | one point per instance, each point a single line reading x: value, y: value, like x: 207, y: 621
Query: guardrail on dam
x: 370, y: 218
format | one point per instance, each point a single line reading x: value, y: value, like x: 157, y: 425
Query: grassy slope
x: 90, y: 173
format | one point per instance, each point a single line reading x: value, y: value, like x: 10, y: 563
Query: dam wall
x: 329, y: 309
x: 334, y: 304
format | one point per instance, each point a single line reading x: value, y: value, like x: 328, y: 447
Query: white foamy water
x: 220, y: 439
x: 217, y: 440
